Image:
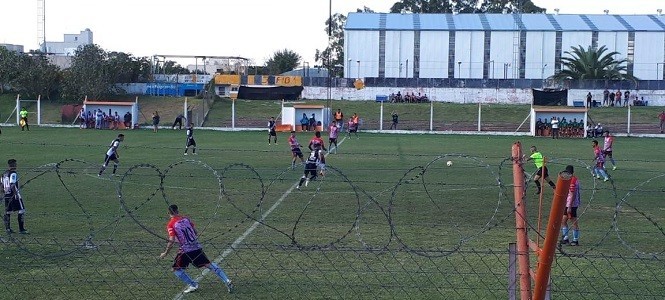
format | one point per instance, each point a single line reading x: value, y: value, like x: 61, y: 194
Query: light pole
x: 542, y: 72
x: 305, y: 69
x: 459, y: 69
x: 407, y: 69
x: 358, y: 68
x: 491, y: 65
x: 400, y: 69
x: 505, y: 70
x: 348, y: 69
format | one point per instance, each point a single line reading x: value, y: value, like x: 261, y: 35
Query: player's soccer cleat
x: 194, y: 153
x: 23, y: 232
x: 185, y: 153
x: 606, y: 179
x: 574, y: 243
x: 9, y: 231
x: 563, y: 242
x: 230, y: 286
x: 614, y: 168
x: 307, y: 182
x: 298, y: 188
x: 190, y: 289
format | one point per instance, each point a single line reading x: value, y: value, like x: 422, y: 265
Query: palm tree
x: 592, y: 63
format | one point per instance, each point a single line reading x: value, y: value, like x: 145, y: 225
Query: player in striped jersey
x: 13, y: 199
x: 190, y: 139
x: 112, y: 154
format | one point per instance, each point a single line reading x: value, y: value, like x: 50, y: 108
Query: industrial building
x: 495, y: 46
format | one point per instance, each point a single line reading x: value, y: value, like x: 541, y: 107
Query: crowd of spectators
x: 559, y: 127
x: 97, y: 119
x: 408, y: 97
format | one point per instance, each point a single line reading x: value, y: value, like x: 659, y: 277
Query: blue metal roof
x: 506, y: 22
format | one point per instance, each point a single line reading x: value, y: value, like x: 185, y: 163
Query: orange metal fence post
x: 520, y: 222
x: 551, y: 235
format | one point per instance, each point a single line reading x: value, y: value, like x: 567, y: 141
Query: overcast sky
x: 249, y: 28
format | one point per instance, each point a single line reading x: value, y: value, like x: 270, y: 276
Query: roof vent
x: 556, y: 11
x: 607, y: 11
x: 660, y: 11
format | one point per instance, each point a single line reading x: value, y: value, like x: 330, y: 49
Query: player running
x: 541, y: 169
x: 310, y: 168
x: 112, y: 154
x: 190, y: 139
x: 295, y: 150
x: 181, y: 230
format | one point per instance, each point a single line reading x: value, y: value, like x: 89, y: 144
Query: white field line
x: 243, y: 236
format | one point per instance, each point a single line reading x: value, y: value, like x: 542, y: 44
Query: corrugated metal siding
x: 506, y: 22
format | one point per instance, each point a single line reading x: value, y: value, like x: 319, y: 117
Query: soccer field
x: 388, y: 220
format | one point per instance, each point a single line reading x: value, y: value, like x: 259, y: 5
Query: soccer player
x: 112, y: 154
x: 395, y: 117
x: 316, y: 143
x: 190, y: 139
x: 607, y: 147
x: 333, y: 132
x: 310, y: 168
x: 572, y: 203
x: 295, y: 149
x: 541, y: 171
x: 271, y: 130
x: 181, y: 229
x: 599, y: 158
x: 352, y: 128
x: 339, y: 119
x: 13, y: 199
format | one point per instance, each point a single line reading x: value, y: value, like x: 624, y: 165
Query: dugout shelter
x: 111, y: 107
x: 291, y: 115
x: 554, y: 103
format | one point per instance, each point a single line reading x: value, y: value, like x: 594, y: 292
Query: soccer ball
x: 449, y: 163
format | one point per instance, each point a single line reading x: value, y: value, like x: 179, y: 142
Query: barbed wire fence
x: 379, y: 253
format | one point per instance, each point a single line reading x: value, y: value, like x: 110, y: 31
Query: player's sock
x: 180, y: 273
x: 302, y: 180
x: 564, y: 233
x: 194, y: 150
x: 220, y: 273
x: 537, y: 186
x: 6, y: 219
x: 21, y: 222
x: 115, y: 167
x: 102, y: 169
x: 552, y: 184
x: 576, y: 234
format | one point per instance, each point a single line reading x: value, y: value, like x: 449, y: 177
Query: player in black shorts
x: 13, y: 199
x: 310, y: 168
x: 272, y: 130
x: 190, y: 139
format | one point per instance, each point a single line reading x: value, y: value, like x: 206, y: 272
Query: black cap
x: 173, y: 209
x: 570, y: 169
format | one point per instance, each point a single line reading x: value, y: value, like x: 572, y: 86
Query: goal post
x: 33, y: 106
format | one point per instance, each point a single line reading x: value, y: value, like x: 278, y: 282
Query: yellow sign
x: 288, y: 80
x: 359, y: 84
x: 227, y: 79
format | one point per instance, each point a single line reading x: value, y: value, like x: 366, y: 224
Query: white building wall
x: 469, y: 47
x: 540, y: 53
x: 434, y: 54
x: 649, y: 53
x: 571, y: 39
x: 614, y: 41
x: 501, y: 52
x: 465, y: 95
x: 399, y: 54
x: 361, y: 46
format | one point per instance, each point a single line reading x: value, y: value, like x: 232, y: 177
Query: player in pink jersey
x: 333, y: 132
x: 607, y: 147
x: 181, y: 230
x: 295, y: 150
x: 599, y: 159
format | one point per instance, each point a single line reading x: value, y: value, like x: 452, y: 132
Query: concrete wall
x: 462, y: 95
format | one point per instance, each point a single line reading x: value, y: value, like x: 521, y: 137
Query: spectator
x: 312, y: 123
x: 304, y: 122
x: 98, y: 119
x: 598, y: 130
x: 555, y: 127
x: 661, y: 117
x: 606, y: 97
x: 395, y: 120
x: 612, y: 95
x: 626, y: 97
x: 617, y: 97
x: 127, y: 118
x: 588, y: 100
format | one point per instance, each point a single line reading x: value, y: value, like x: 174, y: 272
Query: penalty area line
x: 240, y: 239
